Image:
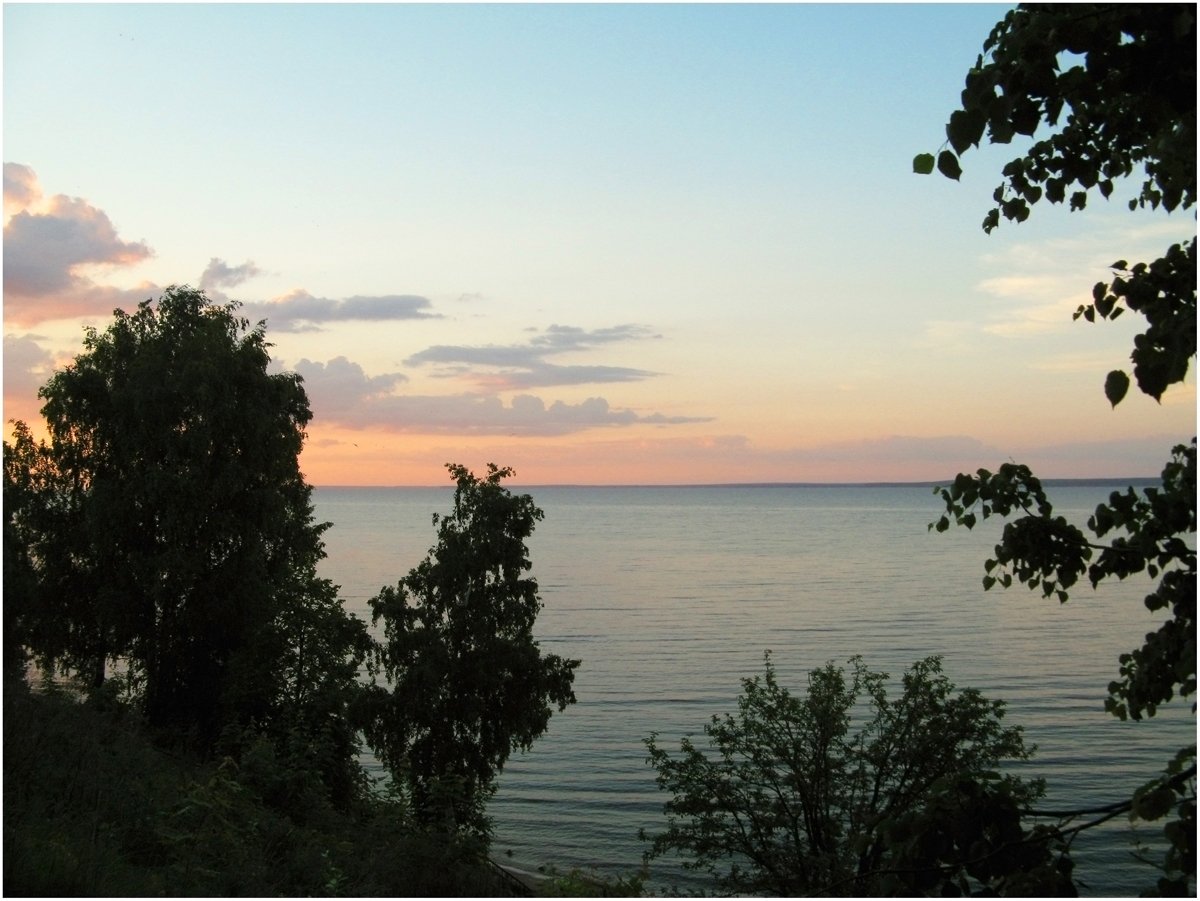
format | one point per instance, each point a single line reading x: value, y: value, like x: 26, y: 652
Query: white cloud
x: 1039, y: 286
x: 1044, y: 302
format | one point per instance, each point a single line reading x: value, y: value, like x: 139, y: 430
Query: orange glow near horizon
x: 374, y: 459
x: 338, y: 456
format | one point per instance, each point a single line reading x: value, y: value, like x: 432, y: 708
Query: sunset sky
x: 601, y: 244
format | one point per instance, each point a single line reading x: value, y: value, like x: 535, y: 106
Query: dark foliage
x: 165, y: 529
x: 1113, y: 88
x: 468, y: 683
x: 160, y: 555
x: 92, y: 807
x: 848, y: 792
x: 1114, y: 85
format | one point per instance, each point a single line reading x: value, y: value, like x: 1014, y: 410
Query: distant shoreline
x: 1114, y: 482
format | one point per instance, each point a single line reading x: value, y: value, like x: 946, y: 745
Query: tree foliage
x: 847, y: 792
x: 1149, y: 533
x: 164, y: 535
x: 22, y: 463
x: 170, y: 531
x: 1109, y: 90
x: 469, y: 685
x: 94, y: 808
x: 1045, y: 551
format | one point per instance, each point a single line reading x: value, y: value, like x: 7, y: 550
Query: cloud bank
x: 54, y: 246
x: 299, y: 311
x: 524, y: 366
x: 342, y: 393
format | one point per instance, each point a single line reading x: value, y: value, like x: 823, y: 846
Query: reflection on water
x: 669, y: 596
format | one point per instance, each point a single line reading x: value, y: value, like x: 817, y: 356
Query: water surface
x: 670, y: 596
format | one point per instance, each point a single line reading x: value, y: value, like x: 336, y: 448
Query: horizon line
x: 919, y: 483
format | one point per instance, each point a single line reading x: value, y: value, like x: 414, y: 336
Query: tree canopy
x: 468, y: 683
x: 170, y: 532
x: 849, y: 792
x: 1109, y: 90
x: 163, y: 540
x: 1124, y: 77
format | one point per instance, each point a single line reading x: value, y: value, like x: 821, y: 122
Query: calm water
x: 669, y: 596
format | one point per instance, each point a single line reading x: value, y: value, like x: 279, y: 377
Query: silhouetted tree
x: 22, y: 467
x: 469, y: 685
x: 846, y: 792
x: 171, y: 530
x: 1113, y: 89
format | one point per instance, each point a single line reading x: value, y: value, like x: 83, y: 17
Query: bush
x: 790, y: 799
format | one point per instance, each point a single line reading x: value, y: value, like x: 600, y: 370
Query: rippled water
x: 669, y: 596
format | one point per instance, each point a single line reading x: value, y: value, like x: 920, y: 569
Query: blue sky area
x: 625, y: 243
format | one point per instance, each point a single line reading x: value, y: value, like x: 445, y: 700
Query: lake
x: 670, y: 595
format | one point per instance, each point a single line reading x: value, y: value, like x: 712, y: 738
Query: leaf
x: 1153, y: 805
x: 1152, y: 371
x: 1000, y: 130
x: 923, y: 163
x: 1025, y: 117
x: 947, y: 164
x: 964, y: 129
x: 1116, y: 385
x: 1016, y: 208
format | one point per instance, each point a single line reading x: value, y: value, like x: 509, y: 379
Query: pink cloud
x: 21, y: 188
x: 27, y: 366
x: 82, y: 300
x: 47, y: 244
x: 338, y: 390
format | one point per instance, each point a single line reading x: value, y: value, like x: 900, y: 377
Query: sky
x: 620, y: 244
